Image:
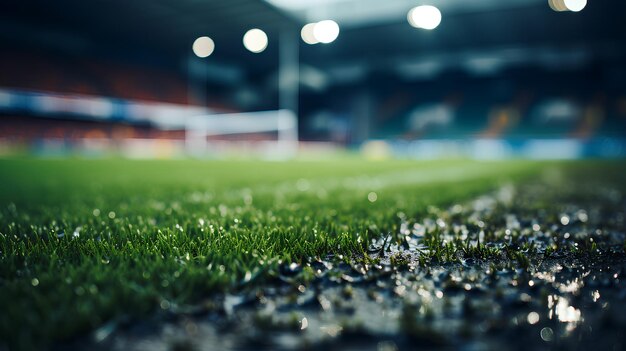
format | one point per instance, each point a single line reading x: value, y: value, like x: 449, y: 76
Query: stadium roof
x: 374, y: 34
x: 165, y: 27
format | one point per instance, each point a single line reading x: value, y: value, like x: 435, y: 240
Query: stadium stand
x: 92, y: 77
x: 54, y: 97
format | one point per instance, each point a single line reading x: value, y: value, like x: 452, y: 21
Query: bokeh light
x: 307, y: 34
x: 203, y: 47
x: 567, y: 5
x: 326, y: 31
x: 557, y: 5
x: 425, y: 17
x: 575, y: 5
x: 255, y: 40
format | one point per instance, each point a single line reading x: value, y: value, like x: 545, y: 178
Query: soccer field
x: 89, y: 247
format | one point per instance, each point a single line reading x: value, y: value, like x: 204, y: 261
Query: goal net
x: 271, y: 134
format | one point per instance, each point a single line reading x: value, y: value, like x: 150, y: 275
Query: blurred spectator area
x: 97, y: 77
x: 62, y: 97
x: 23, y: 129
x: 517, y: 103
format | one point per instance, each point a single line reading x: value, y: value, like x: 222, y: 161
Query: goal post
x: 209, y: 134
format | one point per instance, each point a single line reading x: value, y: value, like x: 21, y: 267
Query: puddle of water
x: 474, y: 276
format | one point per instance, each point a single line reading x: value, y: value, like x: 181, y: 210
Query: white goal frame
x: 284, y: 122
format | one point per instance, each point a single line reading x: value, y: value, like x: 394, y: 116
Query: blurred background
x: 485, y: 79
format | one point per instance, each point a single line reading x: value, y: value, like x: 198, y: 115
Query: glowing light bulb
x: 575, y: 5
x: 326, y: 31
x: 203, y: 47
x: 307, y: 34
x: 425, y: 17
x: 255, y: 40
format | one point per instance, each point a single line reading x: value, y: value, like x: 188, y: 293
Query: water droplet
x: 247, y: 199
x: 565, y: 312
x: 105, y: 331
x: 547, y: 334
x: 111, y: 214
x: 324, y: 302
x: 96, y: 212
x: 564, y: 220
x: 304, y: 323
x: 34, y: 282
x: 303, y: 185
x: 441, y: 223
x: 372, y: 197
x: 230, y: 302
x: 533, y: 318
x: 595, y: 295
x: 400, y: 290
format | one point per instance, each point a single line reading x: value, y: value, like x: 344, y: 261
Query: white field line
x: 417, y: 177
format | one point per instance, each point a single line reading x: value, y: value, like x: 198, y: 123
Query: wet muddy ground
x: 537, y: 266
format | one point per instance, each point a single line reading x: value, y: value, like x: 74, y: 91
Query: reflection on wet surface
x: 527, y: 268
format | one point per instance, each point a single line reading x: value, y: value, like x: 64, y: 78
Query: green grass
x: 160, y: 234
